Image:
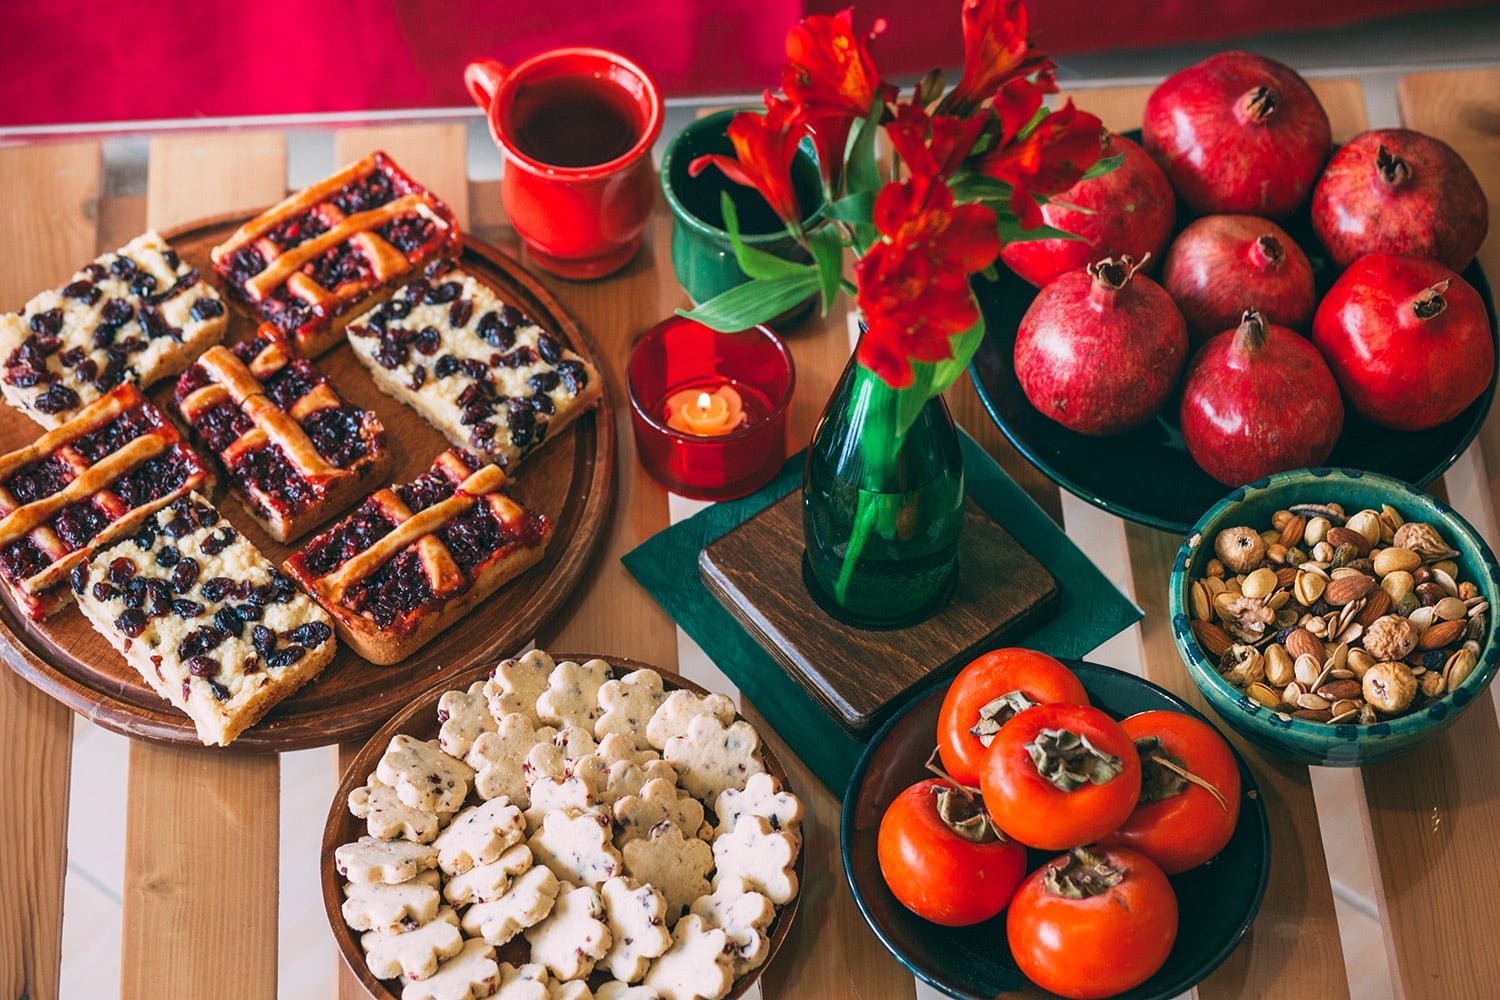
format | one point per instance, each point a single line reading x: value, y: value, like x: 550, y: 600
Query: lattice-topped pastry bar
x: 296, y: 451
x: 138, y: 314
x: 83, y: 485
x: 414, y: 558
x: 204, y: 618
x: 305, y: 263
x: 477, y: 368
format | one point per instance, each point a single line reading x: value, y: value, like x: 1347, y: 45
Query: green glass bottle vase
x: 882, y: 510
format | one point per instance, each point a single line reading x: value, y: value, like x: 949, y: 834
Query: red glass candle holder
x: 680, y: 354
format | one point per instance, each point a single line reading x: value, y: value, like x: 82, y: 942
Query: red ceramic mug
x: 575, y: 126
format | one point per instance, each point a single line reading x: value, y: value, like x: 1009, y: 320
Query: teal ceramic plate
x: 1147, y: 475
x: 1216, y: 902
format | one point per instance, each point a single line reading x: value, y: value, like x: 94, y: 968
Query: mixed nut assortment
x: 1335, y: 618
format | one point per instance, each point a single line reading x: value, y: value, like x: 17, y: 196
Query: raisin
x: 83, y: 291
x: 215, y: 588
x: 49, y: 322
x: 460, y: 312
x: 134, y: 592
x: 312, y: 634
x: 203, y: 666
x: 549, y: 349
x: 142, y: 283
x: 200, y: 640
x: 427, y: 340
x: 542, y: 403
x: 285, y: 656
x: 104, y: 592
x: 416, y: 290
x: 79, y: 577
x: 573, y: 375
x: 263, y: 638
x: 184, y: 575
x: 160, y: 596
x: 229, y: 621
x: 249, y: 612
x: 337, y: 434
x: 473, y: 369
x: 56, y: 399
x: 445, y: 366
x: 418, y: 378
x: 397, y: 309
x: 544, y: 381
x: 132, y: 622
x: 117, y: 312
x: 122, y: 266
x: 121, y: 570
x: 218, y: 541
x: 169, y: 557
x: 187, y: 609
x: 446, y: 292
x: 250, y: 665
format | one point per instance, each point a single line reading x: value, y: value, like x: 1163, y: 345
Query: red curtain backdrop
x: 85, y: 61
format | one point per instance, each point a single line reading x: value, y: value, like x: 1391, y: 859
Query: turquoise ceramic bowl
x: 1298, y: 739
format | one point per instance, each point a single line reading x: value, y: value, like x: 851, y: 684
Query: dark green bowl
x: 1216, y: 902
x: 1314, y: 742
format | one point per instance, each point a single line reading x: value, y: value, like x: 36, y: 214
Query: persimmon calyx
x: 1069, y: 761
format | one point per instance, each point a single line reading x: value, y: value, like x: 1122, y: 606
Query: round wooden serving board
x: 419, y: 719
x: 570, y: 479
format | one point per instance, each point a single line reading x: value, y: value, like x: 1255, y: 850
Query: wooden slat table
x: 203, y: 923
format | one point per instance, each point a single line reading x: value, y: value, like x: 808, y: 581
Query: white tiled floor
x: 92, y: 904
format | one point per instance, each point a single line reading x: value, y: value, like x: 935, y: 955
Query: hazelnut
x: 1240, y: 549
x: 1390, y: 687
x: 1390, y: 638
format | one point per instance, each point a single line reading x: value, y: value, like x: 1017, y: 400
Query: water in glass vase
x: 882, y: 527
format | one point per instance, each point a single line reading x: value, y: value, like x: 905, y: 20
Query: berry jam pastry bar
x: 305, y: 263
x: 204, y: 618
x: 83, y: 485
x: 413, y: 559
x: 139, y: 314
x: 293, y: 448
x: 477, y: 368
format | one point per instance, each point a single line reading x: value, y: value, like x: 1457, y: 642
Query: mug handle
x: 483, y: 77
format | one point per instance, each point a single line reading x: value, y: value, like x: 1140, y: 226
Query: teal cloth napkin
x: 1089, y: 608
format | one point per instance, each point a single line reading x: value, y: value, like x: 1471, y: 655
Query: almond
x: 1214, y: 640
x: 1377, y: 605
x: 1291, y: 532
x: 1442, y: 634
x: 1301, y: 642
x: 1348, y: 588
x: 1344, y: 536
x: 1339, y: 690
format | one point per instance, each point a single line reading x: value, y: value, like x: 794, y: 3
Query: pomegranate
x: 1220, y: 265
x: 1238, y: 132
x: 1101, y: 348
x: 1408, y: 340
x: 1130, y: 210
x: 1259, y: 399
x: 1397, y: 191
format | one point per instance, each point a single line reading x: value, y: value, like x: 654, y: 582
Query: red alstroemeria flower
x: 831, y: 79
x: 932, y: 145
x: 914, y: 283
x: 765, y: 146
x: 1050, y: 159
x: 995, y: 50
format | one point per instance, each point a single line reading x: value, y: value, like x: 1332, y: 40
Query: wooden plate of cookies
x: 569, y: 480
x: 446, y: 878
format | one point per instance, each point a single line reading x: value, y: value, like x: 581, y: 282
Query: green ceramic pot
x: 1313, y: 742
x: 701, y: 254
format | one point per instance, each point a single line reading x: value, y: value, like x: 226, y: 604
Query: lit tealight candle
x: 695, y: 411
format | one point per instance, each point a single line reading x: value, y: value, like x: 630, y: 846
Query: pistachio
x: 1240, y: 549
x: 1367, y: 523
x: 1259, y: 584
x: 1395, y: 559
x: 1278, y: 664
x: 1316, y: 530
x: 1264, y: 695
x: 1390, y: 687
x: 1447, y: 566
x: 1458, y: 668
x: 1390, y: 638
x: 1445, y: 579
x: 1312, y: 701
x: 1307, y: 670
x: 1360, y: 661
x: 1343, y: 711
x: 1308, y: 587
x: 1450, y: 608
x: 1393, y: 520
x: 1423, y: 617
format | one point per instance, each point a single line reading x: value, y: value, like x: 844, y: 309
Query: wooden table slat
x: 48, y: 204
x: 1292, y: 949
x: 1432, y: 815
x: 202, y: 829
x: 437, y: 157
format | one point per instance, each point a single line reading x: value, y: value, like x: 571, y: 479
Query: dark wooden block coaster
x: 857, y: 674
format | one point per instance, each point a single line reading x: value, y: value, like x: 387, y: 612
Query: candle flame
x: 704, y: 401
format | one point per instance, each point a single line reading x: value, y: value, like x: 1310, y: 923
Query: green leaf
x: 828, y: 253
x: 862, y: 173
x: 1011, y: 231
x: 1036, y: 120
x: 930, y: 87
x: 755, y: 263
x: 978, y: 187
x: 855, y: 208
x: 753, y: 302
x: 1102, y: 167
